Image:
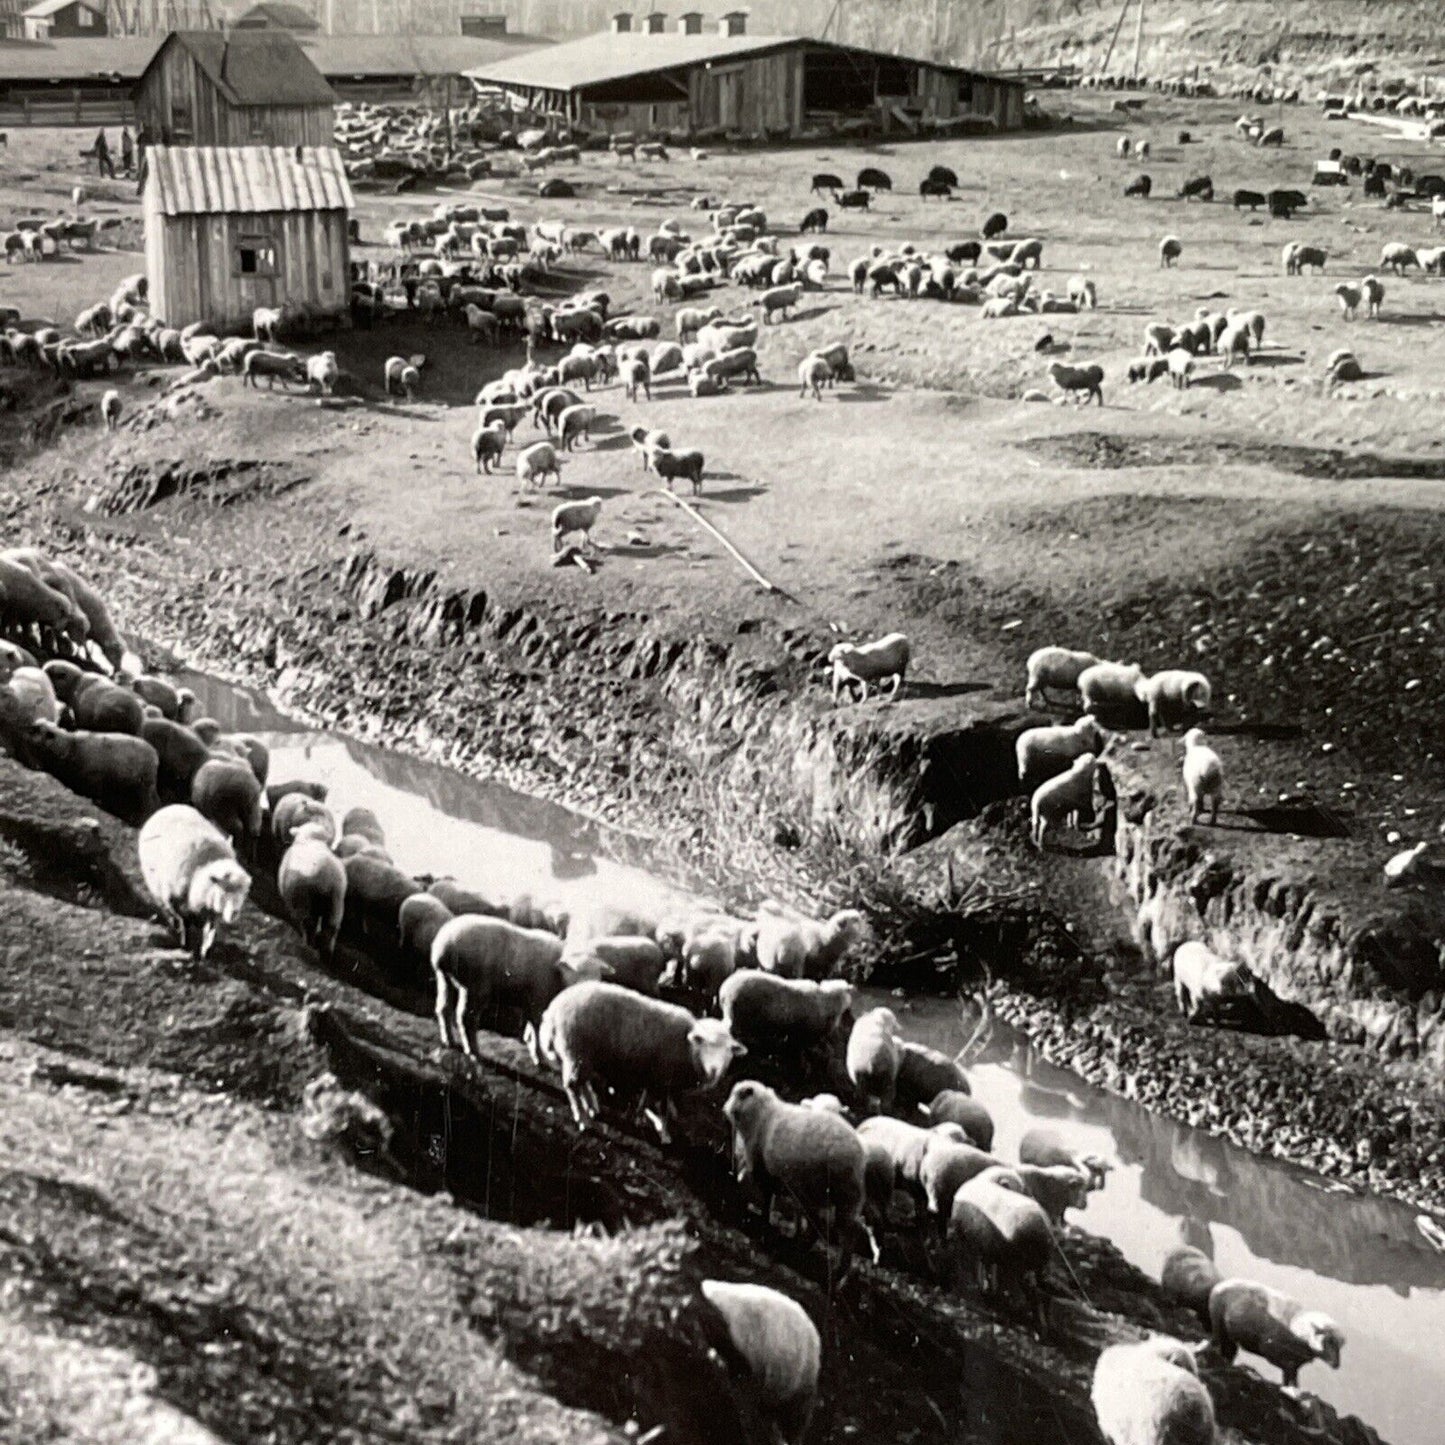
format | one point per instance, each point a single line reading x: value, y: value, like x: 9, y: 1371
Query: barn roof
x: 123, y: 56
x: 342, y: 57
x: 598, y: 59
x: 213, y: 180
x: 45, y: 8
x: 278, y: 13
x: 254, y: 67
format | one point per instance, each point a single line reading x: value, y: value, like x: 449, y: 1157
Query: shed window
x: 255, y: 256
x: 257, y: 123
x: 181, y: 122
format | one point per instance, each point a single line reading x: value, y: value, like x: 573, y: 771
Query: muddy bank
x: 609, y: 1324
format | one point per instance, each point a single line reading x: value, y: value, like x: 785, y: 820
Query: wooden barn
x: 772, y: 87
x: 231, y: 228
x: 245, y: 88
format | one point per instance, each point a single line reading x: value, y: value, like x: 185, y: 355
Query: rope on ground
x: 718, y: 533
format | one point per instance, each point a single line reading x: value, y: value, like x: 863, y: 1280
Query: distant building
x: 246, y: 88
x: 485, y: 27
x: 231, y: 228
x: 64, y: 20
x: 278, y: 15
x: 754, y: 86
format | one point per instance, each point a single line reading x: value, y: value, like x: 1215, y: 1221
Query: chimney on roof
x: 690, y: 23
x: 655, y: 23
x: 622, y: 22
x: 735, y: 22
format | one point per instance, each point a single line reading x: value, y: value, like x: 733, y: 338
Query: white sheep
x: 1180, y: 365
x: 873, y: 1057
x: 1203, y: 980
x: 1397, y: 257
x: 1234, y: 341
x: 400, y: 375
x: 781, y: 1348
x: 1203, y: 775
x: 537, y: 462
x: 1373, y: 291
x: 1065, y: 799
x: 601, y: 1033
x: 1045, y: 752
x: 792, y: 946
x: 312, y: 883
x: 1054, y: 667
x: 1267, y: 1323
x: 781, y: 299
x: 191, y: 871
x: 814, y: 372
x: 322, y: 371
x: 488, y: 444
x: 574, y: 422
x: 1159, y: 338
x: 1170, y: 250
x: 1083, y: 293
x: 576, y: 517
x: 1149, y: 1394
x: 1110, y: 686
x: 871, y: 662
x: 36, y: 695
x: 1410, y: 867
x: 1173, y: 697
x: 637, y: 376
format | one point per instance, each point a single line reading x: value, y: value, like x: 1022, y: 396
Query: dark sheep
x: 226, y: 792
x: 964, y: 253
x: 1253, y: 199
x: 460, y: 901
x: 375, y: 891
x: 101, y: 707
x: 556, y: 189
x: 815, y: 220
x: 113, y: 770
x: 1375, y: 185
x: 1188, y: 1277
x: 994, y: 225
x: 824, y: 181
x: 930, y: 187
x: 1284, y: 203
x: 853, y: 200
x: 181, y: 756
x: 1141, y: 185
x: 871, y: 178
x: 944, y: 175
x: 1197, y: 188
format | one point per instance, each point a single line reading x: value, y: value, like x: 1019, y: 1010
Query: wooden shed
x: 246, y: 88
x: 231, y: 228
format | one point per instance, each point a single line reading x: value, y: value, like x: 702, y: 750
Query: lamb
x: 873, y: 1056
x: 644, y: 440
x: 1203, y: 981
x: 874, y: 662
x: 1067, y: 799
x: 924, y: 1073
x: 781, y: 1015
x: 1180, y: 366
x: 1083, y: 293
x: 400, y: 375
x: 1373, y: 291
x: 1044, y: 1147
x: 1173, y: 697
x: 813, y: 1157
x: 1397, y: 257
x: 537, y: 462
x: 1110, y: 687
x: 1252, y: 1317
x: 1170, y: 250
x: 1149, y: 1394
x: 1350, y: 298
x: 780, y: 1348
x: 792, y: 946
x: 32, y: 688
x: 484, y: 965
x: 669, y: 465
x: 1046, y: 752
x: 1203, y: 776
x: 576, y: 517
x: 814, y: 372
x: 637, y: 375
x: 266, y: 323
x: 116, y: 771
x: 602, y: 1033
x: 488, y: 444
x: 312, y: 883
x: 950, y: 1106
x: 1084, y: 383
x: 226, y: 791
x: 1188, y: 1277
x: 574, y: 422
x: 192, y: 873
x: 1123, y: 147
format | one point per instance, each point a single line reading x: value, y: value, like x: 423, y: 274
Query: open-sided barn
x: 231, y: 228
x: 773, y: 86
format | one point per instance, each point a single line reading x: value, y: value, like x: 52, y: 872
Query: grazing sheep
x: 874, y: 662
x: 825, y: 181
x: 1203, y: 981
x: 904, y: 1146
x: 113, y: 770
x: 1054, y: 667
x: 1180, y: 366
x: 192, y: 873
x: 1170, y: 250
x: 1262, y: 1321
x: 950, y: 1106
x: 1149, y: 1394
x: 792, y: 946
x: 781, y: 1015
x: 924, y: 1073
x: 814, y: 372
x: 1002, y: 1236
x: 1124, y: 147
x: 1067, y: 799
x: 576, y: 517
x: 485, y: 965
x: 1044, y: 1147
x: 226, y: 791
x: 312, y: 883
x: 1110, y: 687
x: 1197, y: 188
x: 1203, y: 776
x: 1397, y: 257
x: 1142, y: 185
x: 400, y: 375
x: 1297, y: 257
x: 110, y: 409
x: 815, y: 220
x: 780, y: 1348
x: 574, y: 422
x: 873, y: 1055
x: 669, y: 465
x: 1046, y: 752
x: 1174, y: 697
x: 634, y: 961
x: 536, y: 463
x: 812, y: 1157
x: 1083, y: 293
x: 602, y: 1033
x: 1083, y: 383
x: 1188, y: 1278
x: 488, y: 444
x: 994, y: 225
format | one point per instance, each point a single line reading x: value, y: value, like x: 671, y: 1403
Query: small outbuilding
x: 243, y: 88
x: 231, y: 228
x: 278, y: 15
x: 64, y: 20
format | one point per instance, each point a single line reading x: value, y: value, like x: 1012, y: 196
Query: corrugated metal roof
x: 256, y: 67
x: 597, y: 59
x: 212, y: 180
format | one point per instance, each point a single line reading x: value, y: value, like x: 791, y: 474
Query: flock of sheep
x: 635, y: 1008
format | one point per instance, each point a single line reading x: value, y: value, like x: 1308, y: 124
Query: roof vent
x: 690, y: 23
x: 622, y: 22
x: 735, y: 22
x: 655, y: 23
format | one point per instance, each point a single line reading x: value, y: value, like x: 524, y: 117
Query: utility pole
x: 1138, y: 38
x: 1114, y: 38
